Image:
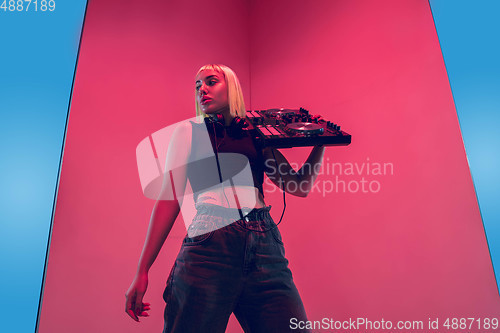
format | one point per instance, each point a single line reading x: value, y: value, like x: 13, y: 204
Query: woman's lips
x: 205, y: 101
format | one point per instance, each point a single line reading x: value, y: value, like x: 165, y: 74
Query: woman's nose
x: 203, y: 89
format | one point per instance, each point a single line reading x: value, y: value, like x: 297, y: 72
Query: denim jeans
x: 226, y: 268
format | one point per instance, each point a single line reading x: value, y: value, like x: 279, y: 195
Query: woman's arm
x: 162, y: 219
x: 299, y: 182
x: 165, y: 212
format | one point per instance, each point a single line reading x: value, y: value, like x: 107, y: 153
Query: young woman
x: 226, y: 264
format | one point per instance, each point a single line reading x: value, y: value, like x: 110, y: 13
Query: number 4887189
x: 28, y: 5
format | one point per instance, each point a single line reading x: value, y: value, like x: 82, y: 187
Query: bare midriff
x: 233, y: 197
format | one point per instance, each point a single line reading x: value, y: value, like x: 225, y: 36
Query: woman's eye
x: 212, y: 82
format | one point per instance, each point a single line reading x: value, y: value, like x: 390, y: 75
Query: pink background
x: 414, y: 250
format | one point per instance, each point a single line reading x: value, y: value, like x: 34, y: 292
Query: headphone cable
x: 282, y: 188
x: 218, y: 165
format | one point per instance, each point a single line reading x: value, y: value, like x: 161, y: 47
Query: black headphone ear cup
x: 239, y: 123
x: 220, y: 119
x: 215, y: 125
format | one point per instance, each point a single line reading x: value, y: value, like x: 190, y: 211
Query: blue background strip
x: 468, y: 33
x: 38, y: 51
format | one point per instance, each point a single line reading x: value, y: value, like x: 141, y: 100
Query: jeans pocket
x: 197, y: 240
x: 198, y: 233
x: 276, y: 235
x: 168, y: 289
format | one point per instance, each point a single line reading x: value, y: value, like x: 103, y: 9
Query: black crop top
x: 241, y: 163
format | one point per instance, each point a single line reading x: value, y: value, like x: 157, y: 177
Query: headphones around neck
x: 218, y: 121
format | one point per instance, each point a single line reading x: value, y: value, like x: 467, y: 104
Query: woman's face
x: 211, y: 92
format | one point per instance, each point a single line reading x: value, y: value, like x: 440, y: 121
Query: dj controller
x: 287, y: 128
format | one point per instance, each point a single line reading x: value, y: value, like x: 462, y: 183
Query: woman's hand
x: 134, y: 306
x: 281, y: 173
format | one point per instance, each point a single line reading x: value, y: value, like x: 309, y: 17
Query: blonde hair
x: 234, y: 93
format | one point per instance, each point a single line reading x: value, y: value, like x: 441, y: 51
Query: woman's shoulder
x: 183, y: 130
